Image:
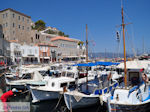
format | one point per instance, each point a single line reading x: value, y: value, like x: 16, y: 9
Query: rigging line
x: 121, y: 3
x: 131, y: 43
x: 132, y: 30
x: 91, y: 42
x: 118, y: 42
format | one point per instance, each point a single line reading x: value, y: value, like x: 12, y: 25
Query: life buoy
x: 109, y: 76
x: 144, y: 77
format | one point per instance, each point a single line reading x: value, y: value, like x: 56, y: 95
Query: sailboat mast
x: 86, y: 44
x: 124, y: 49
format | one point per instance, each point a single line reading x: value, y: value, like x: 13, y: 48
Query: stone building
x: 4, y: 48
x: 16, y: 25
x: 42, y: 36
x: 68, y: 48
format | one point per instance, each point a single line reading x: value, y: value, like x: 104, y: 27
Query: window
x: 53, y: 84
x: 22, y: 27
x: 27, y: 20
x: 3, y: 15
x: 38, y: 36
x: 13, y: 15
x: 44, y: 54
x: 23, y: 51
x: 32, y: 39
x: 28, y: 28
x: 18, y: 17
x: 63, y: 85
x: 22, y: 18
x: 6, y: 24
x: 13, y: 24
x: 13, y: 32
x: 35, y: 51
x: 6, y: 14
x: 19, y: 26
x: 3, y: 25
x: 47, y: 39
x: 30, y: 51
x: 0, y: 51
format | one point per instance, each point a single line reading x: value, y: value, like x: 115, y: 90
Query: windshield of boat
x: 56, y: 67
x: 68, y: 74
x: 27, y: 76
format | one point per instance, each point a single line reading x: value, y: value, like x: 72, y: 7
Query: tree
x: 60, y: 33
x: 40, y: 25
x: 80, y: 43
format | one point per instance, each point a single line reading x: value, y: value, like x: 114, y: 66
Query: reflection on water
x: 50, y: 106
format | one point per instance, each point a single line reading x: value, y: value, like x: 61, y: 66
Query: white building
x: 15, y: 51
x: 30, y: 54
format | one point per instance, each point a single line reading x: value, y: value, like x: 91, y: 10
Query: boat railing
x: 106, y: 89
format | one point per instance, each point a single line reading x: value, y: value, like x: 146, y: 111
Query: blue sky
x: 102, y: 17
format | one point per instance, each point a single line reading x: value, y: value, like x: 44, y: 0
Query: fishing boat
x: 88, y: 93
x: 30, y: 77
x: 133, y: 94
x: 53, y: 88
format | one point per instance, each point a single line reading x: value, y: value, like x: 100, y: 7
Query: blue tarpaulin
x: 96, y: 63
x: 106, y: 63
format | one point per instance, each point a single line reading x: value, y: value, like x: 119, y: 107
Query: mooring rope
x: 58, y: 102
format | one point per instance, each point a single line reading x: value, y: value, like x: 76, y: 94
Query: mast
x: 86, y: 58
x: 124, y: 49
x: 86, y: 44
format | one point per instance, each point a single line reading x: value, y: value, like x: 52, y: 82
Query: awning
x: 70, y: 56
x: 106, y: 63
x: 45, y: 57
x: 1, y: 56
x: 96, y: 63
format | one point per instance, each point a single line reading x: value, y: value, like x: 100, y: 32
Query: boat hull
x: 40, y: 95
x: 145, y: 107
x: 83, y: 102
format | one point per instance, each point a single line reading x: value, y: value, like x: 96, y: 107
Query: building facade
x: 47, y: 53
x: 30, y: 54
x: 15, y: 52
x: 42, y: 36
x: 68, y: 48
x: 16, y: 25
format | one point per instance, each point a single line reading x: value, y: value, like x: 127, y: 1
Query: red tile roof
x: 63, y: 38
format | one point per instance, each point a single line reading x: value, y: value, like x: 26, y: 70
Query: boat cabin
x: 59, y: 83
x: 134, y: 77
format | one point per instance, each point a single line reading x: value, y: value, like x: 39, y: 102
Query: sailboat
x: 134, y: 94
